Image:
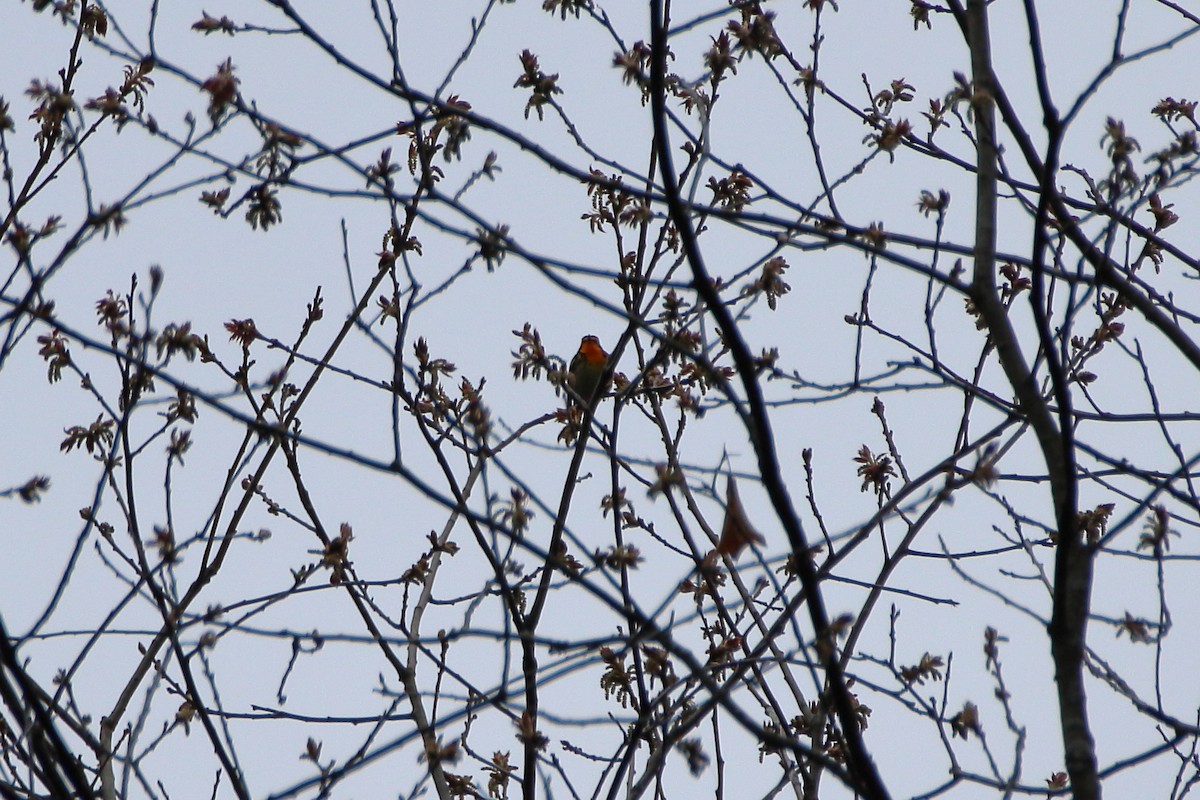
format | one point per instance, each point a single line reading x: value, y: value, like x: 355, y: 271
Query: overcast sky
x: 216, y: 270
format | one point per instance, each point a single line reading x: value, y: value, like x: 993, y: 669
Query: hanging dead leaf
x: 736, y: 532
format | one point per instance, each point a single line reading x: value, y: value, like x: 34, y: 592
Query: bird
x: 590, y: 372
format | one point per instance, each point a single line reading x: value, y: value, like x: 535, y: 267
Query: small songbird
x: 590, y: 371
